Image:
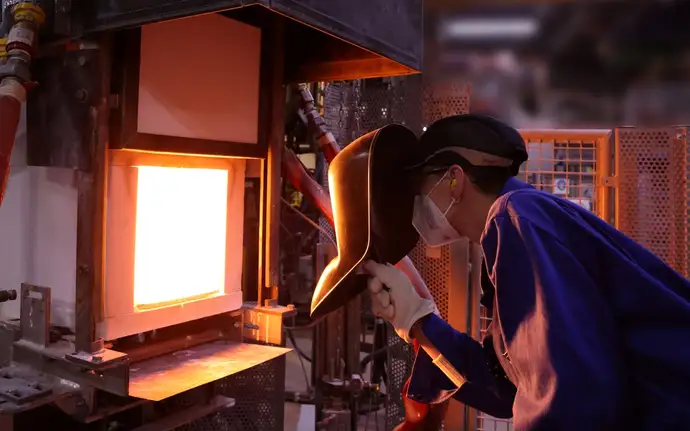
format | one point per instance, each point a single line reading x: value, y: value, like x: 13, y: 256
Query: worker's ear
x: 457, y: 181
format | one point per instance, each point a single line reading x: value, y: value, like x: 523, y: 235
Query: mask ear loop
x: 453, y: 183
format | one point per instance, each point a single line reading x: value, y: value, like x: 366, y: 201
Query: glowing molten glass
x: 181, y: 223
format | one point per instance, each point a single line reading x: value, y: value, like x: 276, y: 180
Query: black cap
x: 475, y: 132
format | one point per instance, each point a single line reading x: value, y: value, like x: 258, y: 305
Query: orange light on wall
x: 180, y: 238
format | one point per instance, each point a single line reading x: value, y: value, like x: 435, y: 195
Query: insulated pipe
x: 317, y: 125
x: 15, y: 78
x: 12, y: 95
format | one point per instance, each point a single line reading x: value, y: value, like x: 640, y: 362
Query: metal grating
x: 566, y: 167
x: 399, y: 365
x: 435, y: 271
x: 259, y: 400
x: 443, y: 99
x: 652, y: 172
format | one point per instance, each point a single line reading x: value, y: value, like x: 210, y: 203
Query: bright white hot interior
x: 180, y: 240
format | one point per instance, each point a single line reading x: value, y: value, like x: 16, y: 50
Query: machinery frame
x: 89, y: 65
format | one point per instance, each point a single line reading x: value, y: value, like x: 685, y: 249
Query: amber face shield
x: 372, y: 198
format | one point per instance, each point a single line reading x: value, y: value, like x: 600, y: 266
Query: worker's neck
x: 476, y: 218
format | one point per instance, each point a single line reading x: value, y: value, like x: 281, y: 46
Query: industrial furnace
x: 139, y: 227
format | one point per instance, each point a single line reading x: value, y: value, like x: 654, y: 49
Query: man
x: 590, y: 330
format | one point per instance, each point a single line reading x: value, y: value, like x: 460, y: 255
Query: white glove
x: 399, y: 304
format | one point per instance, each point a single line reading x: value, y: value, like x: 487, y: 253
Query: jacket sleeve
x: 558, y: 330
x: 482, y: 390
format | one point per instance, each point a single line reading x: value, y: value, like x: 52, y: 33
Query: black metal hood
x: 328, y: 39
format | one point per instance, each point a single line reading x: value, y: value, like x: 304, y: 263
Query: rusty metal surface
x: 23, y: 388
x: 59, y: 109
x: 92, y: 184
x: 98, y: 359
x: 165, y: 376
x: 112, y: 377
x: 271, y: 135
x: 652, y: 191
x: 20, y: 390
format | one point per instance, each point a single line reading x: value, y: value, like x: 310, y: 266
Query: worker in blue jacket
x: 590, y: 330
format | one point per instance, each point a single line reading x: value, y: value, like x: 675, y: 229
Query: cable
x: 307, y: 326
x: 299, y: 351
x: 370, y: 357
x: 301, y: 361
x: 308, y: 220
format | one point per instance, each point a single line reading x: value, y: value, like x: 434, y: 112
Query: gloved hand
x: 399, y: 304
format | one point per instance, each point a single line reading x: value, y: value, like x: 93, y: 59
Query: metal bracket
x: 265, y: 324
x: 608, y: 181
x: 104, y: 369
x: 35, y: 314
x: 99, y: 360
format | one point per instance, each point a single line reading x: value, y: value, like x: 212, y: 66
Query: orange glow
x: 181, y: 218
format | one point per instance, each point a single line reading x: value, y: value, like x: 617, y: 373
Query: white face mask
x: 431, y: 223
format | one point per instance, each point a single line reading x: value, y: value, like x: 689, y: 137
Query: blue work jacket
x: 590, y: 330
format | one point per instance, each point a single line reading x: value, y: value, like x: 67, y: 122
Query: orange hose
x: 10, y: 110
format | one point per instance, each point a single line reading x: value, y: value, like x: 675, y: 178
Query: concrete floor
x: 300, y: 417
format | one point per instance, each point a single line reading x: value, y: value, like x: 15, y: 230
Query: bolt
x: 81, y: 95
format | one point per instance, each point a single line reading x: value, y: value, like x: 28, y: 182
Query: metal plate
x: 160, y: 378
x: 35, y: 314
x: 372, y: 24
x: 34, y: 389
x: 21, y: 391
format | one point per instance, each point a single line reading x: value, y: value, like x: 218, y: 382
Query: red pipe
x: 16, y: 57
x: 12, y: 94
x: 300, y: 179
x: 418, y: 416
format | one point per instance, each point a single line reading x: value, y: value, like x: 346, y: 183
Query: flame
x: 181, y: 223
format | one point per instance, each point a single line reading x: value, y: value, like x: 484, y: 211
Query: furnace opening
x: 181, y: 232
